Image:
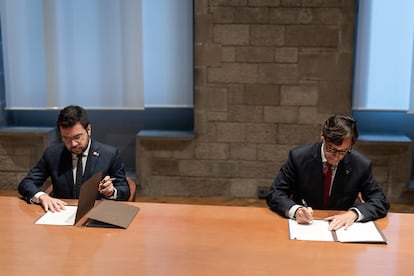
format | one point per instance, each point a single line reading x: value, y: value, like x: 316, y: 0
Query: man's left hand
x: 343, y: 220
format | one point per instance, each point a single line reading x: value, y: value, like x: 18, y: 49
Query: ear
x: 89, y: 129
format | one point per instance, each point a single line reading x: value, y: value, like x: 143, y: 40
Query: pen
x: 110, y: 179
x: 306, y: 206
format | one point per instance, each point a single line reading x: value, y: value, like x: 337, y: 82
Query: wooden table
x: 178, y: 239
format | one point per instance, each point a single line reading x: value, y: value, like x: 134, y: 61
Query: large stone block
x: 254, y: 54
x: 312, y: 36
x: 278, y: 73
x: 329, y: 92
x: 294, y: 134
x: 261, y: 133
x: 202, y: 28
x: 231, y: 132
x: 267, y: 35
x: 252, y: 15
x: 261, y: 94
x: 291, y: 16
x: 20, y: 149
x: 211, y: 98
x: 391, y: 160
x: 256, y: 169
x: 246, y: 113
x: 281, y: 114
x: 326, y: 66
x: 286, y: 54
x: 210, y: 55
x: 233, y: 73
x: 243, y: 151
x: 216, y: 151
x: 299, y: 95
x: 231, y: 34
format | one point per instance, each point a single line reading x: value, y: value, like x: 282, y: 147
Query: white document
x: 316, y: 231
x: 360, y: 232
x: 363, y: 232
x: 64, y: 217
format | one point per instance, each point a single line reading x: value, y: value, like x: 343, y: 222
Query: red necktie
x: 327, y: 179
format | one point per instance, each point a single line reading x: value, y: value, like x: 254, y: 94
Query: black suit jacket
x: 301, y: 177
x: 56, y: 163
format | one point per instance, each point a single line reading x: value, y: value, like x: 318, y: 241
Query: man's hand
x: 106, y: 187
x: 343, y: 220
x: 51, y: 204
x: 304, y: 215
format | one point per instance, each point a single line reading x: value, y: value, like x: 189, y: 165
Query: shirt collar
x: 323, y: 153
x: 324, y: 160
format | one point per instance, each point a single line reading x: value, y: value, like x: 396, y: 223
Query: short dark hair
x: 337, y: 127
x: 71, y: 115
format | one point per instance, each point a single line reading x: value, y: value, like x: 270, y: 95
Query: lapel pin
x: 95, y: 153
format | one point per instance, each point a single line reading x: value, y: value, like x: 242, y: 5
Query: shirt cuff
x: 360, y: 215
x: 115, y: 195
x: 35, y: 198
x: 292, y: 211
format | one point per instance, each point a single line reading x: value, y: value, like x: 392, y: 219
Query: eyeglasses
x: 333, y: 150
x: 75, y: 138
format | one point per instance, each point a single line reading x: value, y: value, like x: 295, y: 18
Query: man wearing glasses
x: 71, y: 163
x: 328, y: 175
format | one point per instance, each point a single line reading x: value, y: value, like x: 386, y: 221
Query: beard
x: 79, y: 148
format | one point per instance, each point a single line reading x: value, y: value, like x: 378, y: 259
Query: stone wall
x: 20, y: 149
x: 391, y: 160
x: 267, y: 74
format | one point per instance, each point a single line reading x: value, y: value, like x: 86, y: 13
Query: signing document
x: 64, y: 217
x: 72, y: 214
x: 107, y: 213
x: 358, y: 232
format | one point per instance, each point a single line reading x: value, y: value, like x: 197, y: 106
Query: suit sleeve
x: 34, y: 179
x: 117, y: 170
x: 279, y: 197
x: 375, y: 204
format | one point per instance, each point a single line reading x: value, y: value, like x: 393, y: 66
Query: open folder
x: 107, y: 213
x: 318, y: 230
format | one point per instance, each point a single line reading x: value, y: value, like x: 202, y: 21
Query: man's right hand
x: 304, y: 215
x: 51, y: 204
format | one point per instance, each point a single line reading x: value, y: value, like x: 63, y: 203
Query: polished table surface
x: 179, y: 239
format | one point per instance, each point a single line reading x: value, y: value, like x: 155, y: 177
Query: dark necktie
x: 79, y: 175
x: 327, y: 179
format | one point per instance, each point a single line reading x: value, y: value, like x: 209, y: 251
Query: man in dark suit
x: 61, y: 162
x: 302, y: 185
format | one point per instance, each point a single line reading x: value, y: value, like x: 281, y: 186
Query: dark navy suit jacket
x: 301, y: 177
x: 56, y: 163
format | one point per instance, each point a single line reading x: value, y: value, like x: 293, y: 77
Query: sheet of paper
x: 64, y: 217
x: 316, y: 231
x: 360, y: 232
